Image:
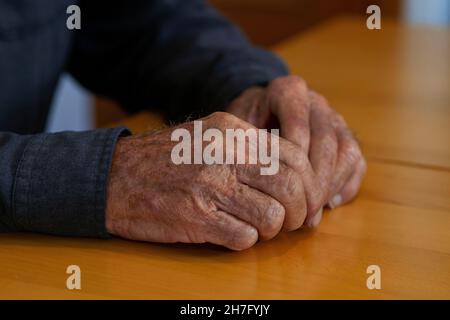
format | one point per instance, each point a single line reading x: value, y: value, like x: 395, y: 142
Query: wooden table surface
x: 393, y: 88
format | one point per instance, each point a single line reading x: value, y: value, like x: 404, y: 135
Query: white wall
x: 72, y: 108
x: 427, y: 12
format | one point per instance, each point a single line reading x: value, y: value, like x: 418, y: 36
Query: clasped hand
x: 150, y: 198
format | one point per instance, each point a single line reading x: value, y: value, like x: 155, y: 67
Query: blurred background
x: 265, y: 22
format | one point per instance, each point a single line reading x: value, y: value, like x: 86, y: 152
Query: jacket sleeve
x: 56, y: 183
x: 181, y: 57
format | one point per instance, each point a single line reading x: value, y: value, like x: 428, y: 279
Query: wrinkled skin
x: 306, y: 119
x: 150, y: 198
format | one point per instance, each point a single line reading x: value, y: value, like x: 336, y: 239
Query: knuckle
x: 293, y: 186
x: 338, y: 120
x: 296, y: 80
x: 219, y: 115
x: 223, y: 117
x: 288, y: 81
x: 353, y: 153
x: 328, y: 138
x: 297, y: 157
x: 319, y: 99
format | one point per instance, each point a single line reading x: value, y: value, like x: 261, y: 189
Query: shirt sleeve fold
x: 180, y: 57
x: 56, y: 183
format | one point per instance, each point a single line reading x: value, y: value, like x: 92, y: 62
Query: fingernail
x: 314, y: 222
x: 336, y: 201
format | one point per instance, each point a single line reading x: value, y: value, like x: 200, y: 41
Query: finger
x: 285, y: 186
x: 288, y: 100
x: 323, y: 146
x: 295, y: 159
x: 288, y: 190
x: 323, y: 150
x: 228, y: 231
x: 256, y: 208
x: 302, y: 192
x: 351, y: 187
x: 349, y: 155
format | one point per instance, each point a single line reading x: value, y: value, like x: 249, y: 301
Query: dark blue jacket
x: 178, y: 56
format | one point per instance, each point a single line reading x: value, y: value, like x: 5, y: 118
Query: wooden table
x: 393, y: 88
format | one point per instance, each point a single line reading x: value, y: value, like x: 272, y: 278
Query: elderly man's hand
x: 305, y: 118
x: 152, y: 199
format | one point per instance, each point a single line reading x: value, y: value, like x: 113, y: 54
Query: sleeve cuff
x: 60, y: 184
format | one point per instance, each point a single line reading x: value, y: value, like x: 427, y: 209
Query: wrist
x: 113, y: 187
